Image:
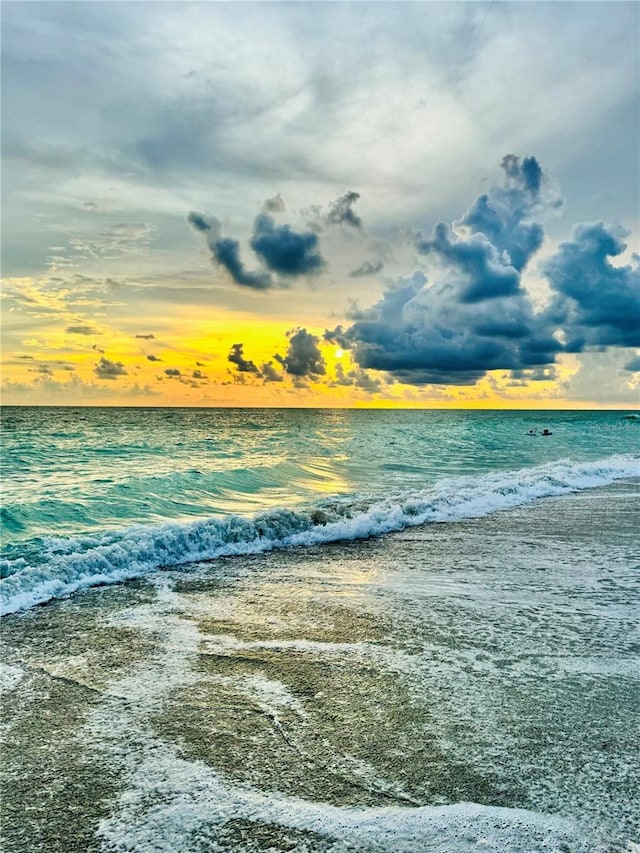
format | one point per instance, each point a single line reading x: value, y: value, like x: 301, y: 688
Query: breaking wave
x: 57, y: 567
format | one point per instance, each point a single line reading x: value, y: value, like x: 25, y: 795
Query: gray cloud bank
x: 476, y: 316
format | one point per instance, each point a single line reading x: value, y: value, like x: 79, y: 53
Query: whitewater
x: 75, y: 563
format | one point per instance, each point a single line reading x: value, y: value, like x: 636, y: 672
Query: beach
x: 449, y: 687
x: 320, y: 428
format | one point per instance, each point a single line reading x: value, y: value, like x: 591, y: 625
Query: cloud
x: 269, y: 373
x: 107, y: 369
x: 633, y: 365
x: 476, y: 315
x: 200, y: 222
x: 148, y: 337
x: 242, y: 364
x: 74, y: 389
x: 225, y: 251
x: 81, y: 330
x: 367, y: 268
x: 536, y: 374
x: 128, y: 232
x: 602, y: 377
x: 45, y: 367
x: 432, y: 334
x: 303, y: 357
x: 172, y: 371
x: 504, y: 214
x: 341, y: 211
x: 357, y: 378
x: 274, y: 205
x: 474, y: 266
x: 483, y: 254
x: 198, y: 374
x: 283, y: 250
x: 152, y: 357
x: 597, y: 304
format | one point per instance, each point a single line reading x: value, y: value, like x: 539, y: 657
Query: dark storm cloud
x: 172, y: 372
x: 495, y: 239
x: 476, y: 316
x: 431, y: 334
x: 225, y: 251
x: 341, y: 211
x: 596, y: 303
x: 81, y: 330
x: 242, y: 364
x: 474, y: 265
x: 283, y: 250
x: 107, y: 369
x: 303, y: 357
x: 367, y: 268
x: 153, y: 357
x: 633, y: 365
x: 503, y: 214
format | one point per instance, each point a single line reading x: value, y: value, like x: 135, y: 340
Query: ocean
x: 320, y: 630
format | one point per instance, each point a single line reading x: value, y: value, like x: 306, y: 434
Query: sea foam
x: 67, y: 565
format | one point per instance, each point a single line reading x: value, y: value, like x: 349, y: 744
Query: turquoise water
x: 100, y: 495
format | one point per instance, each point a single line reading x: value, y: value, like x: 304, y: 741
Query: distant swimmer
x: 546, y: 432
x: 531, y: 432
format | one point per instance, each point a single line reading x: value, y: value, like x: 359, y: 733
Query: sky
x: 372, y: 204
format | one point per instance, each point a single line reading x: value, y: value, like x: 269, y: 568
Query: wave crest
x: 64, y: 566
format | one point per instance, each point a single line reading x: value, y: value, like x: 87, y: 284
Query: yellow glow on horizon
x: 194, y: 345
